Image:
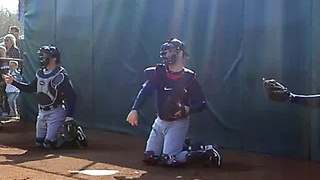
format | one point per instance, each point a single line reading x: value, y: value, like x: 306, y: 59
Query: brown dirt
x: 19, y: 159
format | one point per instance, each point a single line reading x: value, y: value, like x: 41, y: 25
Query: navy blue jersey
x: 165, y: 84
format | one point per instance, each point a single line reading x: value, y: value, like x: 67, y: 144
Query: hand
x: 8, y: 79
x: 132, y: 118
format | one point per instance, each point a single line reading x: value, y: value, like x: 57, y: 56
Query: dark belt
x: 48, y: 108
x: 169, y: 119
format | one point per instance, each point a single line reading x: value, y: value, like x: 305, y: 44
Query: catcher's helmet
x: 48, y: 51
x: 172, y: 43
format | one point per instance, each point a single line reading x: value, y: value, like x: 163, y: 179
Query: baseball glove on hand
x: 173, y: 109
x: 275, y: 90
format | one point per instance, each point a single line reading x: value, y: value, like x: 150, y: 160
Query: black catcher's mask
x: 47, y: 52
x: 171, y: 44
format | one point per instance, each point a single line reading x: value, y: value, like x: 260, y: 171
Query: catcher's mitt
x: 275, y: 90
x: 173, y: 109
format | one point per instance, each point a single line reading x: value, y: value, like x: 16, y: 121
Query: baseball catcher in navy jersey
x: 56, y: 98
x: 178, y: 94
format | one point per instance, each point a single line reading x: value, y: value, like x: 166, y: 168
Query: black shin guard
x: 49, y: 144
x: 39, y: 142
x: 150, y: 158
x: 169, y: 161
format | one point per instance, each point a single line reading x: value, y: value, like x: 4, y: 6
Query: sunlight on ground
x: 5, y: 150
x: 96, y: 172
x: 73, y: 166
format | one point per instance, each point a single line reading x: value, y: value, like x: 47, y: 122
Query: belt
x: 48, y: 108
x: 170, y: 119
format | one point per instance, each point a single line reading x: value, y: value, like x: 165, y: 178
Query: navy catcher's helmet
x: 50, y: 51
x: 172, y: 43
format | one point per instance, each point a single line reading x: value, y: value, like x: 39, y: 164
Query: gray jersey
x: 47, y: 85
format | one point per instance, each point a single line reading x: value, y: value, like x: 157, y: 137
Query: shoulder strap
x: 160, y: 74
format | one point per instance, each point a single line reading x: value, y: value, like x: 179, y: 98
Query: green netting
x: 106, y: 44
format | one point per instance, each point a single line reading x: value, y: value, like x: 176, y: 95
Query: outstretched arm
x: 306, y: 100
x: 277, y: 92
x: 31, y: 87
x: 144, y: 93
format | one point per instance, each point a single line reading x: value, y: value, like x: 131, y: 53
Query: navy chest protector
x: 174, y: 102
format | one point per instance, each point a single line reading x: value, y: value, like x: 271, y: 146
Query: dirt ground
x: 20, y: 159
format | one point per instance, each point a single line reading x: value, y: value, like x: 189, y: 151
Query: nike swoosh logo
x: 167, y: 89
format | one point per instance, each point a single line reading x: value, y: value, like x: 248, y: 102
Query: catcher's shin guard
x: 212, y: 157
x: 150, y: 158
x: 1, y: 125
x: 195, y: 156
x: 207, y: 155
x: 81, y: 139
x: 169, y: 161
x: 71, y: 135
x: 49, y: 144
x: 39, y: 142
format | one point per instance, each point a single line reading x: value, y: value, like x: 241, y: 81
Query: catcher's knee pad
x: 39, y: 142
x: 49, y: 144
x: 169, y: 161
x: 212, y: 157
x: 150, y: 158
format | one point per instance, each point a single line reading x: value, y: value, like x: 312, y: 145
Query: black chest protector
x: 47, y: 86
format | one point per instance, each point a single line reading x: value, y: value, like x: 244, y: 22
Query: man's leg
x: 154, y: 144
x: 55, y: 121
x: 174, y: 141
x: 41, y: 128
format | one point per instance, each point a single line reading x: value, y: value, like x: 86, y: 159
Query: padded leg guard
x: 49, y: 144
x: 39, y: 142
x: 169, y: 161
x: 150, y: 158
x: 212, y: 157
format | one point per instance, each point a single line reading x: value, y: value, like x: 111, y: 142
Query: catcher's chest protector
x: 47, y: 85
x: 175, y: 88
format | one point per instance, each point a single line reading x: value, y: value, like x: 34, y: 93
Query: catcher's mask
x: 171, y: 47
x: 47, y: 52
